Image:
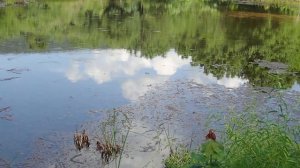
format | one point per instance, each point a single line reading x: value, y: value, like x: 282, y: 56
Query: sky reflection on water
x: 138, y: 73
x: 54, y: 90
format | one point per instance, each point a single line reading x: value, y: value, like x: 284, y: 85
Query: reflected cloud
x: 74, y: 73
x: 168, y: 65
x: 133, y: 89
x: 202, y: 78
x: 234, y: 82
x: 107, y: 65
x: 104, y: 65
x: 295, y: 87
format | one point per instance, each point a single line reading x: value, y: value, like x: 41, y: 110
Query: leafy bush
x: 256, y: 141
x: 250, y: 140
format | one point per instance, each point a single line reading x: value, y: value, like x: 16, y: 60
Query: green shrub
x: 249, y: 140
x: 261, y: 141
x: 179, y: 160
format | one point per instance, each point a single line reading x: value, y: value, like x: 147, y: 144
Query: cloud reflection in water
x: 111, y: 64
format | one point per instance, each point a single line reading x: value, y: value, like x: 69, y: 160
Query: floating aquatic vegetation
x: 108, y: 150
x: 17, y: 71
x: 81, y: 140
x: 10, y: 78
x: 4, y: 113
x: 74, y: 157
x: 4, y: 163
x: 273, y: 67
x: 5, y: 109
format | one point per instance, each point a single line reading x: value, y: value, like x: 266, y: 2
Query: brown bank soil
x: 173, y: 112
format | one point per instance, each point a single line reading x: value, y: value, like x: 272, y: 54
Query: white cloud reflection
x: 201, y: 78
x: 168, y: 65
x: 133, y: 89
x: 73, y: 73
x: 104, y: 65
x: 109, y: 64
x: 296, y: 87
x: 234, y: 82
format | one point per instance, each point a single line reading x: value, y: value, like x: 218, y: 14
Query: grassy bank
x: 248, y: 140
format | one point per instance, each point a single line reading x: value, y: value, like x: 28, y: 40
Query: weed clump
x: 114, y: 132
x: 107, y: 150
x: 253, y: 140
x: 81, y: 140
x: 249, y: 139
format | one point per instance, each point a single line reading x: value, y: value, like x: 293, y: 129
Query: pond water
x: 67, y: 65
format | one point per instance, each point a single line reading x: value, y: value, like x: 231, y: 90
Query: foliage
x: 250, y: 140
x: 224, y: 43
x: 274, y: 6
x: 210, y: 154
x: 179, y: 159
x: 262, y: 142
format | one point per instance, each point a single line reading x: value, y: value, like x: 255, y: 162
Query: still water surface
x: 57, y: 74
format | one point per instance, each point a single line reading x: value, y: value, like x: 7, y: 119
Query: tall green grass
x: 256, y: 141
x: 250, y: 139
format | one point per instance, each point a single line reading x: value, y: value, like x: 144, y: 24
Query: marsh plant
x: 253, y: 140
x: 81, y: 140
x: 249, y: 139
x: 114, y: 133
